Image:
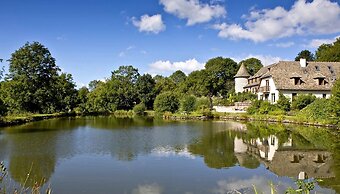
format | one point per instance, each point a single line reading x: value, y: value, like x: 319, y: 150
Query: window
x: 261, y: 97
x: 273, y: 97
x: 317, y: 68
x: 321, y: 81
x: 324, y: 95
x: 297, y: 81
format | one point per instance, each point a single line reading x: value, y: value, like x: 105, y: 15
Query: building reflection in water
x: 286, y: 160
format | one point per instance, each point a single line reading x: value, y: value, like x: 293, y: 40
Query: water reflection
x: 159, y: 153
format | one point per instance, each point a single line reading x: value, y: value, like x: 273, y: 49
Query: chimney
x: 303, y: 62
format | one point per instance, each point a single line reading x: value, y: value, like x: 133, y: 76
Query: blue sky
x: 91, y: 38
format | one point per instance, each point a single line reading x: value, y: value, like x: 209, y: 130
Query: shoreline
x: 20, y: 120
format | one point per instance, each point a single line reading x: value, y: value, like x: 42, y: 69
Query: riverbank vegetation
x: 35, y: 85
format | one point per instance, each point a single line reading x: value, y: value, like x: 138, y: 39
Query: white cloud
x: 129, y: 48
x: 148, y: 188
x: 283, y: 44
x: 265, y: 59
x: 317, y: 17
x: 193, y: 10
x: 153, y: 24
x: 161, y: 67
x: 315, y: 43
x: 246, y: 185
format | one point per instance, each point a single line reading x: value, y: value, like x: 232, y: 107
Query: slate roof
x: 242, y: 72
x: 284, y: 72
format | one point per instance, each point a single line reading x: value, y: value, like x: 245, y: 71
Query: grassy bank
x: 254, y: 117
x: 26, y: 118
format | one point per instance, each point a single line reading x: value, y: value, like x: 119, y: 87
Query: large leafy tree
x: 305, y: 54
x: 178, y: 77
x: 122, y: 87
x: 30, y: 85
x: 329, y: 52
x: 253, y: 65
x: 221, y: 72
x: 145, y: 88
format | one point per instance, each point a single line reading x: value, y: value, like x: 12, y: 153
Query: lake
x: 104, y: 154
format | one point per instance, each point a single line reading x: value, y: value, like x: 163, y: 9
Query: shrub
x: 283, y: 103
x: 264, y: 107
x: 166, y: 102
x: 320, y: 109
x: 302, y: 100
x: 244, y: 96
x: 188, y: 103
x: 335, y: 99
x: 139, y: 109
x: 254, y: 107
x: 202, y: 103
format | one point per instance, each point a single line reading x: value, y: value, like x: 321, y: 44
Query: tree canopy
x: 329, y: 52
x: 253, y: 65
x: 305, y: 54
x: 34, y: 84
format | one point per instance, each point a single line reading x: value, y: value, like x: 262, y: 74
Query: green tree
x: 66, y: 94
x: 283, y: 103
x: 188, y: 103
x: 329, y: 52
x: 178, y: 77
x: 93, y: 84
x: 139, y: 109
x: 302, y: 100
x: 164, y: 84
x: 122, y: 88
x: 220, y: 76
x: 32, y: 77
x: 145, y: 88
x: 253, y: 65
x: 82, y: 99
x: 197, y: 83
x: 166, y: 102
x: 305, y: 54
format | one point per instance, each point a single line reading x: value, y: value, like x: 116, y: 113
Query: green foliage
x: 145, y: 88
x: 305, y: 54
x: 253, y: 65
x: 320, y: 109
x: 202, y: 103
x: 264, y: 107
x: 302, y: 100
x: 166, y: 101
x: 283, y: 103
x: 82, y: 99
x: 188, y: 103
x: 139, y: 109
x: 33, y: 83
x: 241, y: 97
x: 335, y: 99
x: 197, y: 83
x: 3, y: 108
x: 164, y: 84
x: 329, y: 52
x: 178, y: 77
x: 220, y: 75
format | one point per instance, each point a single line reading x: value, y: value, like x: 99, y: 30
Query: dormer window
x: 297, y: 81
x: 322, y: 81
x: 317, y: 68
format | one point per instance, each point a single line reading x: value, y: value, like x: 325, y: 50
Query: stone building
x: 289, y: 78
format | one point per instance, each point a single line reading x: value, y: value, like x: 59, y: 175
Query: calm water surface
x: 110, y: 155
